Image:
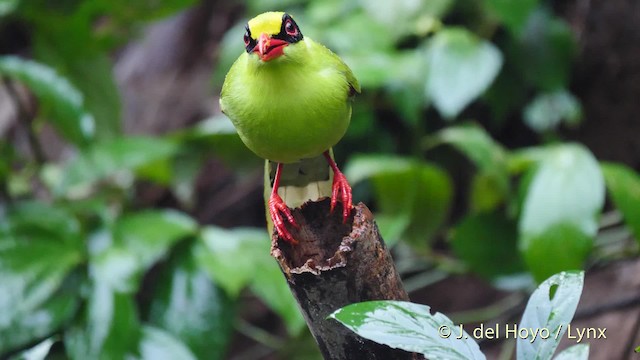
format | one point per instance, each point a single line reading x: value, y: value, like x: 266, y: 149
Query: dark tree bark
x: 336, y: 264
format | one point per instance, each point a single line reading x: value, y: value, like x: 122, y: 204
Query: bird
x: 289, y: 99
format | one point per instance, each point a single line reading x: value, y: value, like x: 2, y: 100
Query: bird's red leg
x: 340, y: 188
x: 277, y: 208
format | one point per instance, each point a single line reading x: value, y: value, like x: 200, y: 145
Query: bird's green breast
x: 291, y: 108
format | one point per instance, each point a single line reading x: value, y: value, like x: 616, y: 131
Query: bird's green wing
x: 344, y: 69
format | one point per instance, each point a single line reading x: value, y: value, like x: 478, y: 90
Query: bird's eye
x: 247, y: 39
x: 290, y: 28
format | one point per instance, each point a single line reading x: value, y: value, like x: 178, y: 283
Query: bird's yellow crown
x: 268, y: 23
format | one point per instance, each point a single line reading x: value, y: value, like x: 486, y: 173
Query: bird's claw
x: 277, y: 208
x: 342, y: 189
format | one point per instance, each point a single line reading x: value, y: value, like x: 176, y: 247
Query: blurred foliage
x: 86, y: 273
x: 412, y: 327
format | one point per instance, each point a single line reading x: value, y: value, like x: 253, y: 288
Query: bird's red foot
x: 342, y: 190
x: 277, y: 208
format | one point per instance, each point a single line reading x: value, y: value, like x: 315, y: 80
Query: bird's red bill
x: 269, y: 48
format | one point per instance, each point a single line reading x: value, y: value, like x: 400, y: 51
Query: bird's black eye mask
x: 289, y: 32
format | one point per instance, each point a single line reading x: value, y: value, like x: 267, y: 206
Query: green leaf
x: 461, y: 67
x: 624, y: 187
x: 513, y: 13
x: 491, y: 185
x: 38, y: 352
x: 363, y: 167
x: 191, y: 307
x: 506, y: 95
x: 562, y: 246
x: 488, y: 244
x: 39, y: 294
x: 393, y: 14
x: 561, y: 209
x: 391, y: 20
x: 342, y: 36
x: 112, y: 157
x: 523, y: 159
x: 117, y: 268
x: 474, y: 142
x: 550, y: 307
x: 157, y: 344
x: 544, y: 51
x: 270, y: 285
x: 58, y: 98
x: 86, y: 66
x: 408, y: 192
x: 575, y: 352
x: 149, y: 234
x: 258, y: 6
x: 410, y: 327
x: 372, y: 70
x: 548, y: 110
x: 8, y: 6
x: 39, y: 219
x: 241, y: 257
x: 488, y: 191
x: 231, y: 256
x: 110, y: 328
x: 217, y: 135
x: 145, y: 10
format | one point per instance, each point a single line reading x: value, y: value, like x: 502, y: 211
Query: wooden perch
x: 334, y: 265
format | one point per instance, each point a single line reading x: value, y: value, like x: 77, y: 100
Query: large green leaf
x: 67, y: 37
x: 158, y: 344
x: 461, y: 67
x: 141, y: 10
x: 39, y: 292
x: 473, y: 141
x: 8, y: 6
x: 217, y: 135
x: 410, y: 327
x: 270, y: 285
x: 110, y: 329
x: 544, y: 51
x: 414, y: 197
x: 70, y: 47
x: 120, y: 258
x: 111, y: 157
x: 241, y: 257
x: 150, y: 234
x: 191, y: 307
x: 575, y: 352
x: 548, y: 110
x: 491, y: 184
x: 38, y: 352
x: 405, y: 17
x: 624, y: 187
x: 488, y: 244
x: 563, y: 246
x: 116, y: 267
x: 59, y: 100
x: 39, y: 219
x: 550, y: 307
x: 513, y: 13
x: 560, y: 211
x: 231, y: 257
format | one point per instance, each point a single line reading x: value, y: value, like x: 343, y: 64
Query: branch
x: 334, y: 265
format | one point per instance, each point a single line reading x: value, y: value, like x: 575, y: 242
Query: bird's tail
x: 307, y: 179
